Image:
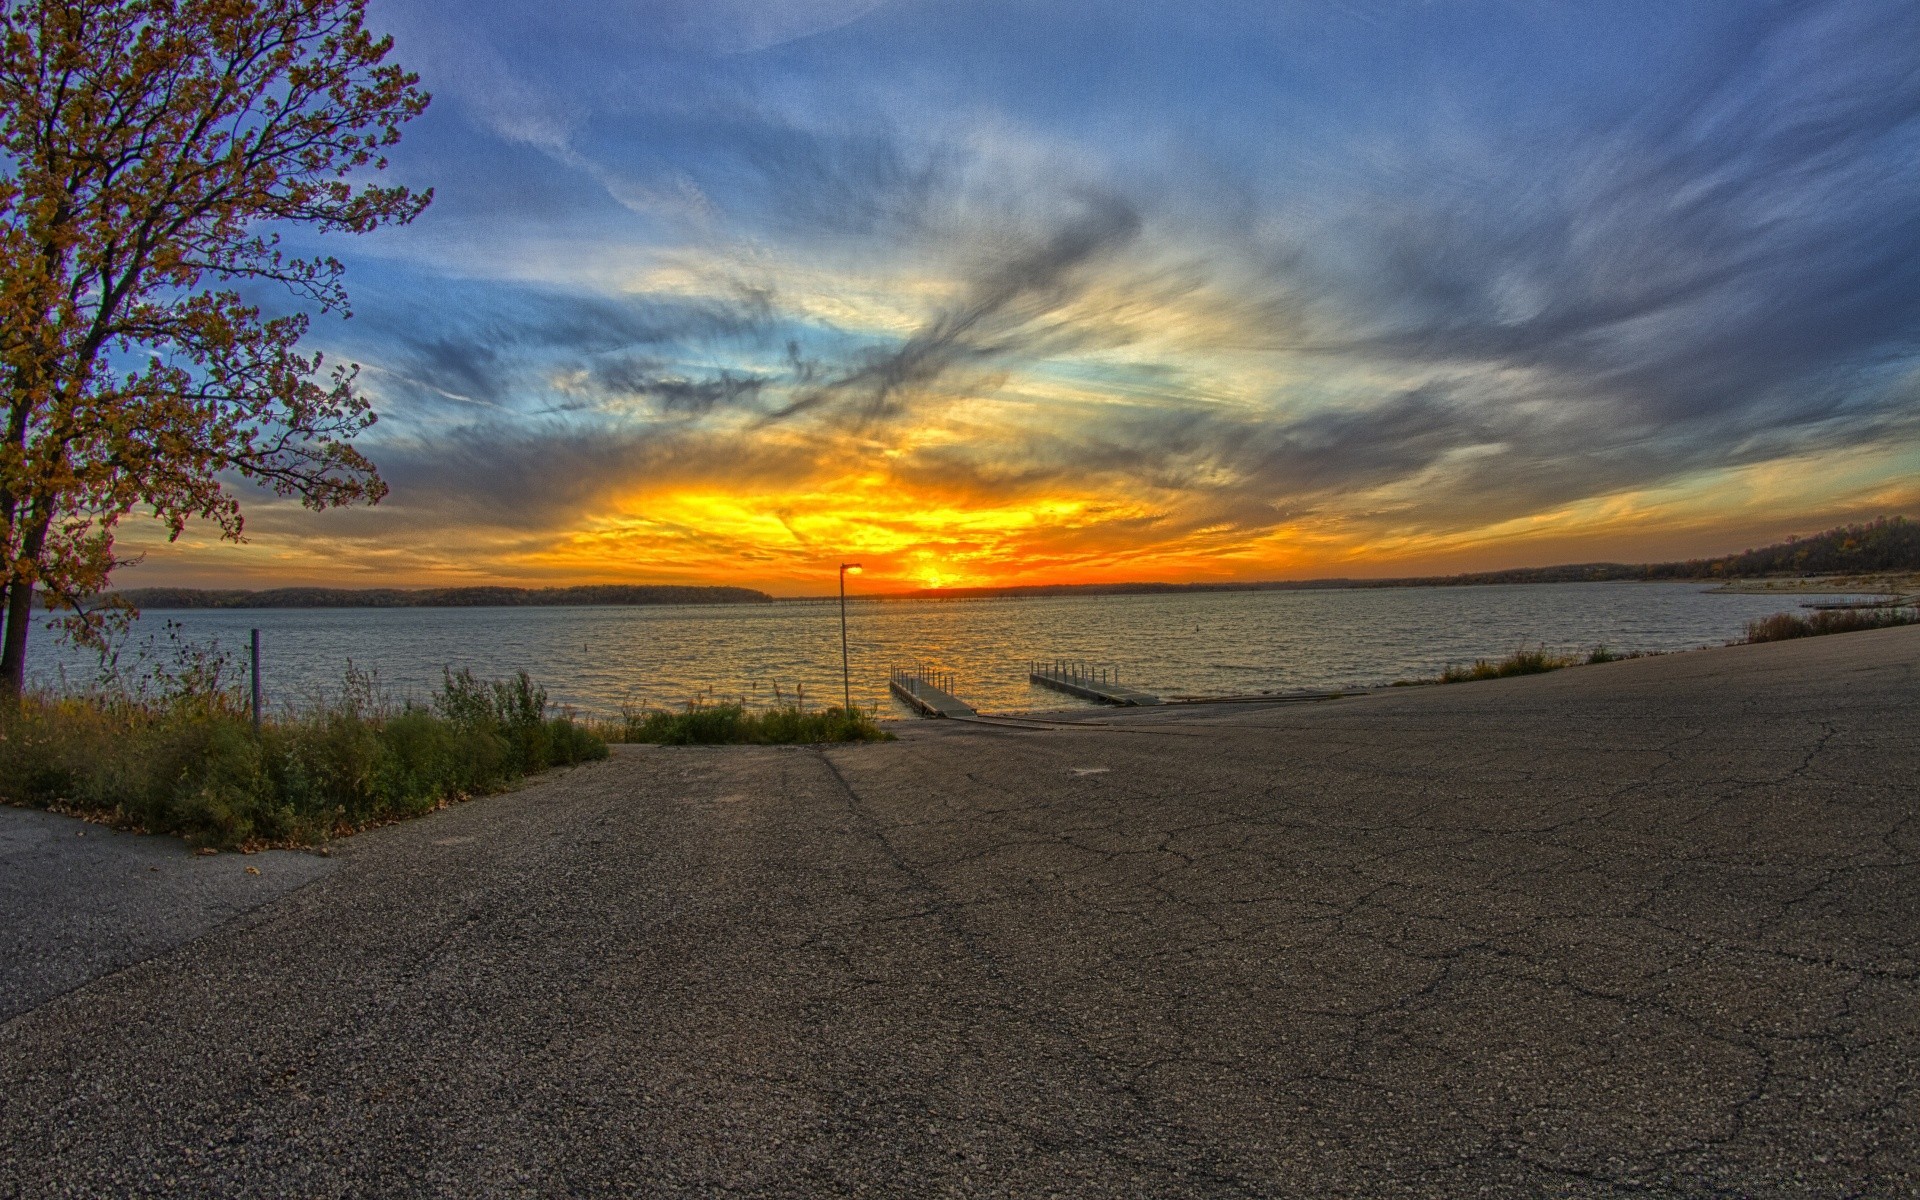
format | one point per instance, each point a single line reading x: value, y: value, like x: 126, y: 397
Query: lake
x: 598, y: 659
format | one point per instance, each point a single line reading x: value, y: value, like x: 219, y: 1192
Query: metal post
x: 846, y: 674
x: 256, y: 683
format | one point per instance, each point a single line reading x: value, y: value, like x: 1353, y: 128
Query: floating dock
x: 1100, y: 684
x: 929, y: 693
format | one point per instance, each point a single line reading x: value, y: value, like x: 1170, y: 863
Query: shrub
x: 187, y: 761
x: 719, y: 724
x: 1782, y: 626
x: 1520, y: 662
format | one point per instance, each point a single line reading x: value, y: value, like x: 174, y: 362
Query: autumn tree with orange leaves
x: 151, y: 154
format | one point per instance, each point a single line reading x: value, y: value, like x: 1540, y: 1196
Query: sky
x: 1023, y: 291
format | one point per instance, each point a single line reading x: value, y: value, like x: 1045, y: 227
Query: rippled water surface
x: 598, y: 659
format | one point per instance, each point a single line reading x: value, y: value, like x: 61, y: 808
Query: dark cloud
x: 1012, y: 309
x: 848, y: 182
x: 1738, y: 256
x: 1727, y: 275
x: 675, y: 392
x: 505, y: 347
x: 1724, y: 270
x: 1722, y: 253
x: 462, y: 365
x: 544, y: 475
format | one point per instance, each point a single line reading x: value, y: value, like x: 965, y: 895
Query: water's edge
x: 597, y: 659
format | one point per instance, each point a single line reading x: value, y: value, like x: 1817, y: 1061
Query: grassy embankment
x: 1782, y: 626
x: 1537, y: 661
x: 1524, y: 662
x: 169, y: 747
x: 184, y: 759
x: 734, y: 724
x: 1776, y: 628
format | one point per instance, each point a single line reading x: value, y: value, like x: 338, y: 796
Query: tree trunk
x: 13, y: 648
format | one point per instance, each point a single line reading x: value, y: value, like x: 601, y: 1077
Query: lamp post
x: 846, y: 676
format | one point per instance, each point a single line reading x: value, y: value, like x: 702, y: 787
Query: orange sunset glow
x: 812, y: 309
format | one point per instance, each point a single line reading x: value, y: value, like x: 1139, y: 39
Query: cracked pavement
x: 79, y: 900
x: 1647, y: 928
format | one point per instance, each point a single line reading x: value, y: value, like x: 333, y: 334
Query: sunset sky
x: 1048, y: 291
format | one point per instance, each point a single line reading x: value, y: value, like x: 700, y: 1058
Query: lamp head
x: 849, y: 568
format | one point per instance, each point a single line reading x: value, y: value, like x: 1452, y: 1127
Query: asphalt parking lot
x: 1646, y: 928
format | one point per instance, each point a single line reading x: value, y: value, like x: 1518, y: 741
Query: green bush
x: 188, y: 761
x: 720, y: 724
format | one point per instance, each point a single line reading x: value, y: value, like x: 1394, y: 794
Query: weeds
x: 1521, y: 662
x: 1782, y: 626
x: 178, y: 754
x: 717, y: 724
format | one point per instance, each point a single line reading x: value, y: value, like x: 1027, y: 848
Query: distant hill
x: 1885, y: 544
x: 463, y: 597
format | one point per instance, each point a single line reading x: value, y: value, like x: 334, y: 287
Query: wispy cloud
x: 1206, y: 298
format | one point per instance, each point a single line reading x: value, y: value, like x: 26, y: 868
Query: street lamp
x: 846, y: 677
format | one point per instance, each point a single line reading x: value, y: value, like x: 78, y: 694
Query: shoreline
x: 702, y: 652
x: 1884, y: 583
x: 1877, y: 583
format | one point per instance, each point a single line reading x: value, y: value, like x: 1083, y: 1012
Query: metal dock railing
x: 1088, y: 682
x: 930, y: 693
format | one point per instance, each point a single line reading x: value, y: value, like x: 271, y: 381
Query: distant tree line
x: 463, y: 597
x: 1883, y: 544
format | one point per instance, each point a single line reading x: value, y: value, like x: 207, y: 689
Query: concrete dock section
x: 1643, y: 929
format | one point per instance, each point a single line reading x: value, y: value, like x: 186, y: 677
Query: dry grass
x: 1521, y: 662
x: 185, y: 760
x: 724, y: 724
x: 1781, y: 627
